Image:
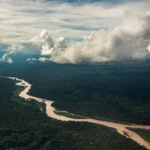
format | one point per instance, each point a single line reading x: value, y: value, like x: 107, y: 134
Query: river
x: 50, y: 111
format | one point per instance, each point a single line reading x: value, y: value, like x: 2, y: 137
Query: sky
x: 71, y: 31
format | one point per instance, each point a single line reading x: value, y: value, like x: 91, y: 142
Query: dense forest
x: 118, y: 91
x: 23, y: 126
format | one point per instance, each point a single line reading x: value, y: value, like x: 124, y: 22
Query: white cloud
x: 10, y: 60
x: 9, y: 51
x: 43, y: 59
x: 22, y: 20
x: 31, y: 59
x: 127, y: 41
x: 6, y: 57
x: 148, y: 48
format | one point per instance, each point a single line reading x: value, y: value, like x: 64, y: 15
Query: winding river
x: 121, y: 128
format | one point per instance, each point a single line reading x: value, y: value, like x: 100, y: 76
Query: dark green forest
x: 116, y: 91
x: 23, y: 126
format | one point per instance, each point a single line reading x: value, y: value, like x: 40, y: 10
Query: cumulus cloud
x: 130, y: 40
x: 10, y: 50
x: 6, y: 57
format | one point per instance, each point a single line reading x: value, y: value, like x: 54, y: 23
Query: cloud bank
x: 22, y: 20
x: 130, y: 40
